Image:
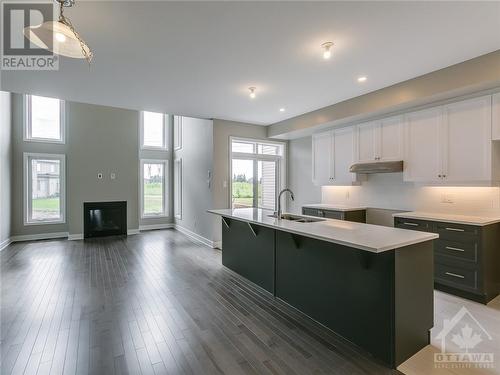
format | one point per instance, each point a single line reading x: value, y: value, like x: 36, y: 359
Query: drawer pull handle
x: 412, y: 224
x: 454, y: 248
x: 455, y: 275
x: 456, y: 229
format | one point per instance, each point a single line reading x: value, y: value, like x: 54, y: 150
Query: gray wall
x: 300, y: 174
x: 101, y: 139
x: 98, y: 139
x: 197, y: 156
x: 5, y: 165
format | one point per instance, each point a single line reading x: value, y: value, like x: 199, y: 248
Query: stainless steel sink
x: 297, y: 218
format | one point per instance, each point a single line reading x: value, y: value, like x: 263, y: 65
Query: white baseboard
x: 41, y: 236
x: 75, y: 237
x: 195, y: 237
x: 156, y: 226
x: 131, y: 232
x: 5, y: 243
x: 217, y: 245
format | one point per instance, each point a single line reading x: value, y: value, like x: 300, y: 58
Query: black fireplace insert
x: 104, y: 219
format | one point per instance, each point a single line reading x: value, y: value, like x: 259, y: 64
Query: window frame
x: 27, y: 131
x: 178, y: 124
x: 280, y: 160
x: 178, y: 189
x: 165, y: 133
x: 164, y: 214
x: 28, y: 188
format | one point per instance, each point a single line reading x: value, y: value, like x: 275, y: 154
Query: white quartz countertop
x: 373, y: 238
x: 334, y: 207
x: 450, y: 218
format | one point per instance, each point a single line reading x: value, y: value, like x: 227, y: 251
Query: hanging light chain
x: 87, y: 54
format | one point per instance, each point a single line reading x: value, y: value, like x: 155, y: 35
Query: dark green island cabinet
x: 381, y: 302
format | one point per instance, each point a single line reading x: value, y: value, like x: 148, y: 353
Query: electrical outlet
x: 112, y: 176
x: 99, y: 176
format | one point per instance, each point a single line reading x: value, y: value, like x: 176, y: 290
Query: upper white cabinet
x: 422, y: 161
x: 333, y: 154
x: 466, y: 139
x: 380, y: 140
x: 495, y: 112
x: 450, y: 143
x: 321, y: 155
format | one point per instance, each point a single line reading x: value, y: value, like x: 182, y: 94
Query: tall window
x: 44, y: 119
x: 153, y: 131
x: 257, y: 172
x: 153, y: 188
x: 44, y: 186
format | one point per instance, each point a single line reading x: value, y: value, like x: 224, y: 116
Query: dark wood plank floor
x: 154, y: 303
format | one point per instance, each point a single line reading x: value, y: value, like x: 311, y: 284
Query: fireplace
x: 104, y: 219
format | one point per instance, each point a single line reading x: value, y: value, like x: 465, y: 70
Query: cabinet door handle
x: 455, y: 229
x: 455, y: 275
x: 454, y: 248
x: 412, y: 224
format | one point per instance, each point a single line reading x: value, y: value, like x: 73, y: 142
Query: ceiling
x: 199, y: 58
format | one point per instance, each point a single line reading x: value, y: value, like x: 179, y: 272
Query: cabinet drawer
x: 457, y: 232
x: 333, y: 215
x: 463, y: 251
x: 456, y: 276
x: 412, y: 224
x: 310, y: 211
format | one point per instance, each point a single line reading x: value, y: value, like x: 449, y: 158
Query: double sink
x: 296, y: 218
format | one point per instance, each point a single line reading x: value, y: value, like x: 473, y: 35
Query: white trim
x: 163, y: 214
x: 178, y: 188
x: 177, y: 133
x: 217, y: 245
x: 156, y: 226
x: 141, y: 133
x: 195, y: 237
x: 27, y: 156
x: 5, y: 243
x: 75, y: 237
x: 40, y: 236
x: 27, y: 125
x: 131, y: 232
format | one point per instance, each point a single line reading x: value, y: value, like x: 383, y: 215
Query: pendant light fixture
x: 60, y: 37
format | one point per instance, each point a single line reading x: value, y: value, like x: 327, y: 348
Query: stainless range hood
x: 377, y: 167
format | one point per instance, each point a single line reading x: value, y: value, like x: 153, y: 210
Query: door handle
x: 455, y: 229
x: 412, y: 224
x: 454, y: 248
x: 455, y: 275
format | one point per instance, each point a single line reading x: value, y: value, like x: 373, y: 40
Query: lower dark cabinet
x: 467, y: 257
x: 358, y: 216
x: 360, y: 295
x: 248, y: 249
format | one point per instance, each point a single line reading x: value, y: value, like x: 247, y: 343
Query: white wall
x: 5, y: 165
x: 385, y: 190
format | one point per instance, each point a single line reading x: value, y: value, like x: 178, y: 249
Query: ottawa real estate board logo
x: 463, y: 340
x: 17, y: 51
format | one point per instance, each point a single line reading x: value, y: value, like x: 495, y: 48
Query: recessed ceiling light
x: 327, y: 50
x: 252, y: 92
x: 362, y: 79
x: 282, y: 109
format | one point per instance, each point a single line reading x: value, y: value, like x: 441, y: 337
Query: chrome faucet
x: 278, y: 214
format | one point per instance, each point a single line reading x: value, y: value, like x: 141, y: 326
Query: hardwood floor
x: 156, y: 303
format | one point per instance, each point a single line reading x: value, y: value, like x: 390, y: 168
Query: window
x: 257, y: 171
x: 178, y: 188
x: 44, y: 188
x: 153, y: 188
x: 44, y: 119
x: 153, y: 131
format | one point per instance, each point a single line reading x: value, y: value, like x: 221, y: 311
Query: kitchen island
x: 370, y: 284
